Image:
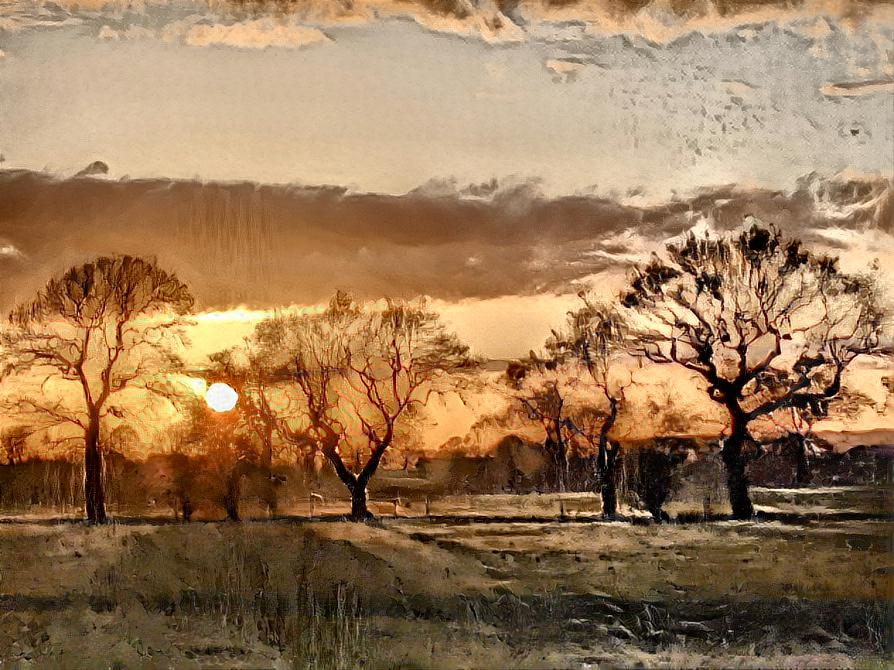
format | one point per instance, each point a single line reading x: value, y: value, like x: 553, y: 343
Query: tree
x: 182, y: 467
x: 797, y: 425
x: 360, y: 370
x: 595, y: 335
x: 99, y: 329
x: 571, y: 391
x: 254, y: 422
x: 764, y: 322
x: 541, y: 388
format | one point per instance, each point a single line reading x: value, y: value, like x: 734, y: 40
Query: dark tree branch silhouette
x: 360, y: 369
x: 570, y: 391
x: 767, y: 324
x: 541, y: 387
x: 105, y: 326
x: 595, y: 336
x: 255, y: 420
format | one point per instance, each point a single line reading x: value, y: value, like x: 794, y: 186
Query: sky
x: 392, y: 95
x: 495, y: 156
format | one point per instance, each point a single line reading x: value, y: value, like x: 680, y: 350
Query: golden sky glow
x: 496, y: 157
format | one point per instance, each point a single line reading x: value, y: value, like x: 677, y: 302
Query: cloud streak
x: 257, y: 34
x: 854, y: 89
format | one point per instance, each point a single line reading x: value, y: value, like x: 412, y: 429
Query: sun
x: 221, y: 397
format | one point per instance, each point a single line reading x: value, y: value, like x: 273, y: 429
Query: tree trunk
x: 558, y: 464
x: 357, y: 484
x: 359, y: 511
x: 658, y: 514
x: 187, y: 509
x: 607, y: 459
x: 802, y: 467
x: 561, y: 462
x: 231, y: 496
x: 608, y: 484
x: 93, y: 488
x: 270, y: 492
x: 737, y: 479
x: 609, y: 497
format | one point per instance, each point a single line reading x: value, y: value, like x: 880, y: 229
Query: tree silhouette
x: 13, y: 440
x: 541, y: 387
x: 595, y: 335
x: 766, y: 324
x: 97, y: 330
x: 360, y: 370
x: 570, y: 391
x: 797, y: 425
x: 255, y: 424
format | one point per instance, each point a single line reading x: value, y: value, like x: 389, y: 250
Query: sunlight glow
x: 221, y: 397
x: 197, y: 385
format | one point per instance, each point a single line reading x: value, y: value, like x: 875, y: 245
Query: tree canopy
x: 360, y: 370
x: 105, y: 326
x: 766, y: 323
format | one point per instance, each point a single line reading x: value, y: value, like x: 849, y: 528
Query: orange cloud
x: 257, y: 34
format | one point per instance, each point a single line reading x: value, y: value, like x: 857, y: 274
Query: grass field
x: 413, y: 592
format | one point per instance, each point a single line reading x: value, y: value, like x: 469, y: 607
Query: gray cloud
x: 241, y: 243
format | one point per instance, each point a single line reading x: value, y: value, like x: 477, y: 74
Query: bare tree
x: 541, y: 387
x: 797, y: 424
x: 247, y: 374
x: 180, y: 471
x: 360, y: 370
x: 211, y: 453
x: 744, y: 310
x: 97, y: 330
x: 595, y: 336
x: 570, y: 391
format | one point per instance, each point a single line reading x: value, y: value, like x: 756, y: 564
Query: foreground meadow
x: 435, y: 593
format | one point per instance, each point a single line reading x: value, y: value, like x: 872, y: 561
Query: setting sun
x: 221, y: 397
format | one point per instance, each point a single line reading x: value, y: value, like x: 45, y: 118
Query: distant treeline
x: 182, y: 487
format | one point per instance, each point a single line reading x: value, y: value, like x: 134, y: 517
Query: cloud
x: 134, y: 32
x: 565, y: 69
x: 256, y: 245
x: 207, y: 31
x: 483, y: 19
x: 94, y: 169
x: 662, y: 21
x: 256, y: 34
x: 492, y: 21
x: 9, y: 251
x: 853, y: 89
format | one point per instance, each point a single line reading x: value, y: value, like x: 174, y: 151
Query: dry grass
x: 414, y: 593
